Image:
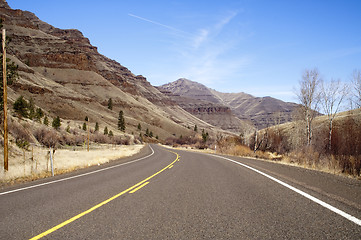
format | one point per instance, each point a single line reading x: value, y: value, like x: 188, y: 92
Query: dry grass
x: 308, y: 158
x: 29, y: 165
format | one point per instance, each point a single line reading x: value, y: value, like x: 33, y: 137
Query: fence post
x: 24, y: 161
x: 51, y: 162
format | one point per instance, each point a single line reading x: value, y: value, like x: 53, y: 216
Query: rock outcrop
x: 38, y: 44
x: 198, y: 99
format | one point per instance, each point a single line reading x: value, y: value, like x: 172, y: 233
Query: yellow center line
x: 136, y: 186
x: 136, y: 189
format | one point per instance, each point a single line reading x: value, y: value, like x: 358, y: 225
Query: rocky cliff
x: 199, y: 100
x: 260, y: 111
x: 38, y: 44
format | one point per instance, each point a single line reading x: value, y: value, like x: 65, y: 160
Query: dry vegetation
x: 287, y: 143
x: 35, y: 162
x: 290, y: 140
x: 30, y: 142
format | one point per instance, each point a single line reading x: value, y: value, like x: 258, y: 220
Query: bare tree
x: 332, y: 95
x: 356, y: 83
x: 309, y: 98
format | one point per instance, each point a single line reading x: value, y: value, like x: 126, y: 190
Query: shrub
x: 21, y: 143
x: 71, y: 140
x: 19, y: 132
x: 46, y: 121
x: 99, y: 138
x: 121, y: 140
x: 47, y: 137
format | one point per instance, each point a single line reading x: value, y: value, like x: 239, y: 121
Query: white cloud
x: 200, y: 38
x: 157, y: 23
x: 206, y: 55
x: 225, y: 21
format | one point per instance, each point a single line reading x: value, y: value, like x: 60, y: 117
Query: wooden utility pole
x: 6, y: 166
x: 88, y: 134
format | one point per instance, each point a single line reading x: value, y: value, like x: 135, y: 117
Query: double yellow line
x: 132, y: 189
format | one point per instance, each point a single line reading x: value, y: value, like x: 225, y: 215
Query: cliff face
x: 198, y: 100
x: 38, y: 44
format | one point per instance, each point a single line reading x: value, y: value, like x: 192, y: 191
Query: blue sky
x: 255, y: 46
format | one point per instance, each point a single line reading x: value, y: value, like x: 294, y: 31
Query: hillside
x: 260, y: 111
x: 198, y: 100
x: 66, y: 76
x: 339, y: 154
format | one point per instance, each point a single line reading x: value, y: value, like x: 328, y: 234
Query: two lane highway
x: 181, y: 195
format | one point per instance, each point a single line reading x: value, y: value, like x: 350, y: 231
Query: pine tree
x: 195, y: 128
x: 31, y: 108
x: 106, y: 130
x: 56, y: 123
x: 39, y: 114
x: 121, y: 122
x: 204, y: 136
x: 21, y: 107
x: 110, y: 133
x: 110, y: 104
x: 139, y: 127
x: 96, y: 127
x: 46, y: 121
x: 84, y: 126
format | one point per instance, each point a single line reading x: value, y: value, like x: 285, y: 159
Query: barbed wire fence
x: 38, y: 160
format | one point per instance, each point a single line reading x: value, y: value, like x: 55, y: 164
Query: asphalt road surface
x: 169, y: 194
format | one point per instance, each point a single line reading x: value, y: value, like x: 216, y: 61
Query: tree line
x: 333, y: 141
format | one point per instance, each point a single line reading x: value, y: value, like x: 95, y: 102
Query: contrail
x: 157, y: 23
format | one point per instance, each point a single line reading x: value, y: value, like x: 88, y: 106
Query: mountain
x: 200, y: 101
x: 66, y: 76
x: 260, y: 111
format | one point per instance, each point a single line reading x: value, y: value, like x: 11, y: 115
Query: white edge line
x: 80, y: 175
x: 306, y: 195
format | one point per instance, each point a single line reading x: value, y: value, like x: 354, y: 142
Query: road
x: 169, y: 194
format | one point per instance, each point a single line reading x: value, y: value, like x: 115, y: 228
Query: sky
x: 260, y: 47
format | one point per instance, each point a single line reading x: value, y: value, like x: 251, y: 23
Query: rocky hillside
x: 260, y: 111
x: 198, y: 100
x: 66, y: 76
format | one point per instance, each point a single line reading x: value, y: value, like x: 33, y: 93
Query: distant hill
x: 199, y: 100
x: 260, y: 111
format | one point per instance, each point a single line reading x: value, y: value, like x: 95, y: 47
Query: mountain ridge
x: 258, y: 110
